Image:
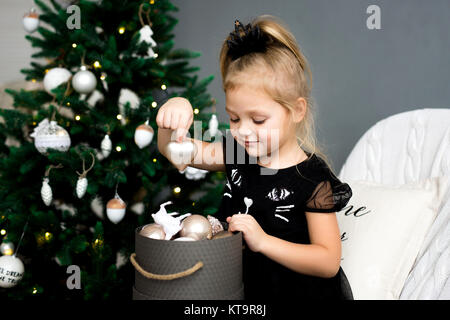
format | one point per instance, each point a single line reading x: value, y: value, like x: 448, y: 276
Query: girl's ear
x: 299, y: 109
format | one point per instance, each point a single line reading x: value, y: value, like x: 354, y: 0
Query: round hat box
x: 188, y: 270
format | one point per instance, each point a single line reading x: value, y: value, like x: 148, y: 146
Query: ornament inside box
x: 187, y: 257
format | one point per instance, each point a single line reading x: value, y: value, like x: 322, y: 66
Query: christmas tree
x: 84, y: 142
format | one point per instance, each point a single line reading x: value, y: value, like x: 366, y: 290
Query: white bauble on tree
x: 46, y: 192
x: 31, y: 21
x: 106, y: 146
x: 143, y: 135
x: 50, y: 135
x: 115, y: 209
x: 55, y: 77
x: 84, y: 81
x: 11, y: 271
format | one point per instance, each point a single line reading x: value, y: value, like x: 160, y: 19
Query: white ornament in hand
x: 181, y: 152
x: 170, y: 224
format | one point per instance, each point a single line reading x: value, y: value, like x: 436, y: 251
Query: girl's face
x: 258, y: 123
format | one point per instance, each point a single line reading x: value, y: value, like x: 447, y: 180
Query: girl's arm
x: 321, y: 258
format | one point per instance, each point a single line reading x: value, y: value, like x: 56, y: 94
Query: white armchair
x: 403, y: 148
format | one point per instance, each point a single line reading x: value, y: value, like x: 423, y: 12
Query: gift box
x: 188, y: 270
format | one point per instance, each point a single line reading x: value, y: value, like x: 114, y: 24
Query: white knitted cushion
x: 411, y: 147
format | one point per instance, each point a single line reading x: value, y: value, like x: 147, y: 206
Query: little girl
x: 281, y: 195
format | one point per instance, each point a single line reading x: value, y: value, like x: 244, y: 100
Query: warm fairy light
x: 154, y: 159
x: 163, y: 87
x: 177, y: 190
x: 74, y: 45
x: 68, y: 104
x: 196, y: 111
x: 155, y: 55
x: 152, y: 1
x: 33, y: 80
x: 8, y: 252
x: 118, y: 149
x: 2, y: 232
x: 103, y: 76
x: 119, y: 117
x: 34, y: 123
x: 193, y: 203
x: 47, y: 70
x: 34, y: 291
x: 77, y: 117
x: 48, y: 236
x: 97, y: 65
x: 154, y: 104
x: 121, y: 30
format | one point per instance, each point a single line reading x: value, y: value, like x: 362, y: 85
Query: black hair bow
x: 253, y: 40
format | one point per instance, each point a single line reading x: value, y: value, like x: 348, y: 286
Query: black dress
x: 278, y: 199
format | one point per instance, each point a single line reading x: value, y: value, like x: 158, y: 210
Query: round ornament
x: 215, y: 225
x: 84, y: 81
x: 115, y: 209
x: 55, y: 77
x: 196, y: 226
x: 181, y: 152
x: 11, y: 271
x: 50, y: 135
x: 222, y: 234
x: 153, y: 231
x: 143, y: 135
x: 31, y: 21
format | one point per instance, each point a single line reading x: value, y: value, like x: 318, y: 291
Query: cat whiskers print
x: 248, y: 203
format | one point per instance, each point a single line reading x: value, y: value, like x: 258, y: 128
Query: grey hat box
x: 220, y: 277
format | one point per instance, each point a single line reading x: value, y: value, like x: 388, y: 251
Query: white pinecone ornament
x: 106, y: 146
x: 82, y: 182
x: 46, y: 192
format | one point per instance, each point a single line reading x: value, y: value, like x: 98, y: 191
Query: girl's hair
x: 282, y: 72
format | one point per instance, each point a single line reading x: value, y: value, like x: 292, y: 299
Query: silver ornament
x: 31, y: 21
x: 196, y: 226
x: 222, y: 234
x: 7, y: 248
x: 50, y: 135
x: 84, y: 81
x: 82, y: 184
x: 46, y: 192
x: 153, y: 231
x: 11, y: 271
x: 215, y: 225
x: 55, y: 77
x: 106, y: 146
x: 143, y: 135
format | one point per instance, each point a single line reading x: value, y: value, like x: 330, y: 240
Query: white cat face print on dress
x: 236, y: 177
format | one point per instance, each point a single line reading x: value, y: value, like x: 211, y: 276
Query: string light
x: 152, y: 1
x: 193, y: 203
x: 33, y: 80
x: 177, y: 190
x: 74, y: 45
x: 119, y: 117
x: 77, y: 117
x: 97, y: 65
x: 103, y: 76
x: 154, y: 104
x: 2, y: 232
x: 122, y: 30
x: 154, y: 159
x: 48, y: 236
x: 34, y: 290
x: 118, y: 149
x: 196, y: 111
x: 163, y: 87
x: 46, y: 70
x: 155, y: 55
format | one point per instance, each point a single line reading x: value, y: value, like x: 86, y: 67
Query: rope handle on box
x: 172, y: 276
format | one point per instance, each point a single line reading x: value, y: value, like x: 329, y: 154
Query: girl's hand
x: 254, y: 235
x: 176, y: 114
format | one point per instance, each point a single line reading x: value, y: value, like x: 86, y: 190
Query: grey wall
x: 360, y: 76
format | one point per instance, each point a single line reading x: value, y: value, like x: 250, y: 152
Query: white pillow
x: 382, y: 228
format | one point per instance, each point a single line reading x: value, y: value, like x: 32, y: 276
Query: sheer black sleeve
x: 329, y: 195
